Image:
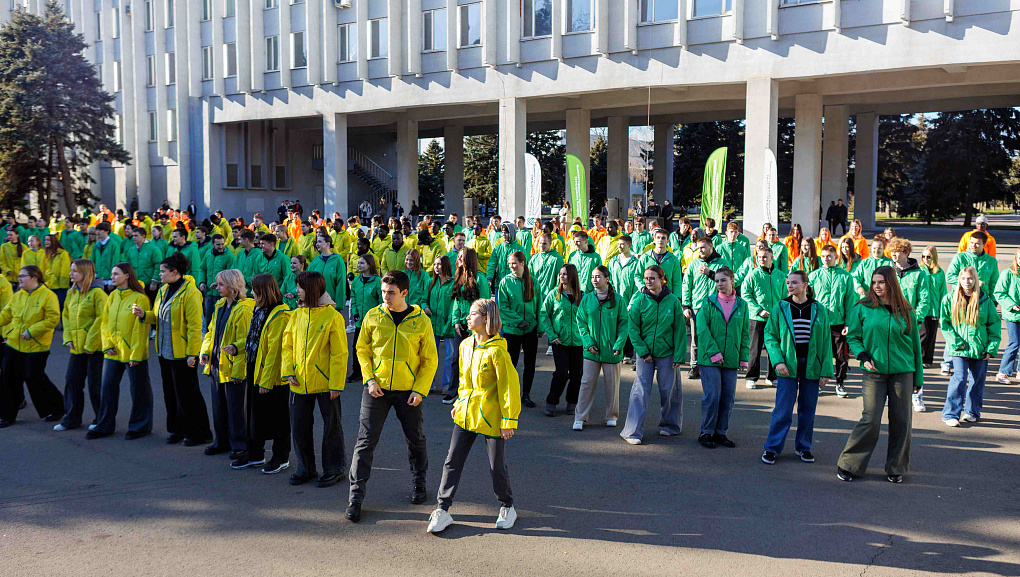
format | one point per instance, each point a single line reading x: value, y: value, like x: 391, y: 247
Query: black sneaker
x: 694, y: 373
x: 96, y: 435
x: 418, y: 495
x: 244, y: 463
x: 353, y: 513
x: 527, y: 402
x: 844, y: 475
x: 328, y: 480
x: 189, y: 442
x: 449, y: 399
x: 805, y: 456
x: 550, y: 410
x: 706, y: 441
x: 724, y: 441
x: 237, y: 455
x: 132, y: 435
x: 53, y: 418
x: 174, y: 438
x: 769, y: 458
x: 214, y: 450
x: 895, y: 478
x: 299, y: 479
x: 352, y: 378
x: 274, y: 466
x: 4, y: 423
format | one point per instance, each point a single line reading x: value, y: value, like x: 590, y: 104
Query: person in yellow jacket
x: 314, y: 364
x: 177, y: 316
x: 57, y: 268
x: 27, y: 325
x: 397, y: 352
x: 285, y: 243
x: 224, y: 362
x: 126, y: 348
x: 82, y: 319
x: 267, y: 412
x: 10, y: 255
x: 35, y: 255
x: 482, y: 246
x: 489, y: 405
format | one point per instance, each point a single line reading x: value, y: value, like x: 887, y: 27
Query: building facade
x: 239, y: 104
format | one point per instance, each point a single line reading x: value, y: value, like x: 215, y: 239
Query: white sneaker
x: 59, y: 427
x: 578, y: 425
x: 750, y: 384
x: 1001, y: 379
x: 841, y: 391
x: 439, y: 520
x: 951, y: 422
x: 507, y: 518
x: 611, y: 423
x: 628, y: 361
x: 93, y: 427
x: 918, y: 402
x: 968, y: 418
x: 632, y: 440
x: 945, y: 371
x: 769, y: 383
x: 548, y: 351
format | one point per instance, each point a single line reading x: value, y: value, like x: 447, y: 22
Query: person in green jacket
x: 882, y: 334
x: 247, y: 255
x: 679, y: 238
x: 498, y: 266
x: 723, y: 333
x: 763, y: 288
x: 798, y: 339
x: 662, y: 256
x: 72, y: 240
x: 141, y: 254
x: 298, y: 265
x: 657, y: 329
x: 975, y: 256
x: 735, y: 248
x: 937, y: 285
x: 972, y: 330
x: 417, y: 277
x: 158, y: 241
x: 106, y: 252
x: 438, y: 299
x: 545, y: 266
x: 602, y: 325
x: 519, y: 302
x: 332, y: 268
x: 915, y: 287
x: 641, y: 237
x: 218, y: 259
x: 780, y: 254
x: 366, y: 294
x: 698, y: 283
x: 585, y: 258
x: 469, y: 285
x: 272, y: 261
x: 457, y: 245
x: 179, y: 243
x: 624, y: 274
x: 1007, y: 293
x: 808, y: 260
x: 559, y: 321
x: 836, y: 291
x: 869, y: 264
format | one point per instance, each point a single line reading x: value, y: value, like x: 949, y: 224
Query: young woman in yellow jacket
x: 10, y: 255
x: 314, y: 364
x: 57, y: 269
x: 267, y: 411
x: 35, y: 255
x: 177, y: 316
x: 83, y: 336
x: 126, y: 348
x: 489, y: 405
x: 222, y: 355
x: 27, y: 325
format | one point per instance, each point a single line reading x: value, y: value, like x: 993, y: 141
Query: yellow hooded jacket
x: 235, y: 333
x: 10, y: 262
x: 36, y: 312
x: 489, y: 398
x: 185, y: 318
x: 57, y: 270
x: 483, y: 247
x: 399, y: 358
x: 268, y: 360
x: 127, y: 334
x: 83, y: 319
x: 315, y: 350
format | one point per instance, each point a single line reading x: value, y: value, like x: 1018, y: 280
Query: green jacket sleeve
x: 510, y: 307
x: 918, y: 363
x: 1004, y: 292
x: 679, y: 334
x: 993, y: 328
x: 855, y: 330
x: 587, y: 340
x: 773, y: 338
x: 745, y: 336
x: 545, y: 322
x: 707, y: 347
x: 622, y: 321
x: 641, y: 348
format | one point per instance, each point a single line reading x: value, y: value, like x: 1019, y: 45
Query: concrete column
x: 334, y: 155
x: 329, y: 39
x: 866, y: 169
x: 136, y: 116
x: 413, y: 27
x: 451, y: 34
x: 244, y: 45
x: 395, y: 61
x: 807, y: 162
x: 285, y: 27
x: 219, y: 58
x: 662, y: 164
x: 579, y: 144
x: 835, y: 145
x: 407, y: 162
x: 618, y: 160
x: 760, y: 132
x: 453, y: 169
x: 257, y: 37
x: 513, y: 134
x: 194, y: 45
x: 184, y: 53
x: 313, y: 29
x: 159, y: 40
x: 212, y: 158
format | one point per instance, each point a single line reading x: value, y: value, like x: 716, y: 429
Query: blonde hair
x: 233, y: 280
x: 1012, y: 265
x: 488, y: 309
x: 966, y: 310
x: 87, y: 269
x: 934, y: 266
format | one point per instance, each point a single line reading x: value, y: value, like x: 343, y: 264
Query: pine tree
x: 431, y: 182
x: 598, y: 180
x: 481, y: 168
x: 551, y: 152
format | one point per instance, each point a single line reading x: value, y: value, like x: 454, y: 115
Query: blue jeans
x: 208, y: 305
x: 789, y: 390
x: 1008, y: 364
x: 670, y: 398
x: 719, y: 386
x: 448, y: 361
x: 453, y: 360
x: 963, y: 393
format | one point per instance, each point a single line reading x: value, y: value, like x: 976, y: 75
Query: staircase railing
x: 384, y: 181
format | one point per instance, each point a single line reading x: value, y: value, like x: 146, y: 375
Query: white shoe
x: 968, y: 418
x: 93, y: 427
x: 611, y: 423
x: 628, y: 361
x: 59, y: 427
x: 578, y: 425
x: 918, y: 403
x: 548, y: 351
x: 842, y: 393
x: 439, y: 520
x: 769, y: 383
x: 750, y: 384
x: 952, y: 422
x: 632, y: 440
x: 946, y: 372
x: 507, y: 518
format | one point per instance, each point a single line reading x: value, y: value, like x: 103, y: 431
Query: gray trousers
x: 460, y: 446
x: 590, y: 380
x: 861, y: 444
x: 373, y: 416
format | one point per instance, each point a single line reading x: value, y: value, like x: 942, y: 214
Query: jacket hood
x: 511, y: 228
x: 325, y: 299
x: 911, y: 265
x: 495, y: 341
x: 662, y: 294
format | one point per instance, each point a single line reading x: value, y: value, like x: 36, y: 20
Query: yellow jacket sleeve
x: 207, y: 342
x: 272, y: 335
x: 364, y: 351
x: 139, y: 331
x: 193, y: 323
x: 337, y: 353
x: 238, y: 367
x: 286, y: 351
x: 94, y: 337
x: 509, y: 388
x: 429, y: 362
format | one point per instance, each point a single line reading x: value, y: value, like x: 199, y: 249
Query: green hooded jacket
x: 670, y: 264
x: 972, y: 342
x: 986, y: 265
x: 937, y: 285
x: 762, y: 289
x: 626, y: 278
x: 1007, y: 293
x: 513, y: 309
x: 836, y: 290
x: 658, y: 326
x: 602, y: 325
x: 439, y: 301
x: 585, y: 263
x: 782, y: 348
x: 696, y: 285
x: 462, y: 306
x: 891, y: 344
x: 717, y: 334
x: 866, y: 268
x: 334, y: 270
x: 213, y: 264
x: 914, y: 284
x: 366, y: 294
x: 545, y: 268
x: 736, y: 253
x: 559, y: 319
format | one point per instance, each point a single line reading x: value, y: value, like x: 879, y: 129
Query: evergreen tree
x: 692, y: 145
x: 598, y: 180
x: 550, y: 150
x: 431, y: 182
x: 900, y: 140
x: 481, y: 169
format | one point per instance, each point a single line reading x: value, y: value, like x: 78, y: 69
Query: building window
x: 99, y: 26
x: 207, y: 63
x: 579, y: 15
x: 272, y: 54
x: 470, y: 25
x: 169, y: 13
x: 99, y: 72
x: 230, y: 57
x: 297, y: 1
x: 536, y: 18
x: 116, y: 24
x: 118, y: 77
x: 153, y: 127
x: 378, y: 38
x: 280, y: 177
x: 707, y: 7
x: 171, y: 68
x: 271, y: 4
x: 207, y: 10
x: 298, y: 54
x: 433, y: 26
x: 119, y: 128
x: 230, y: 8
x: 255, y: 180
x: 150, y: 70
x: 347, y: 42
x: 233, y: 179
x: 171, y: 124
x: 148, y: 16
x: 663, y: 10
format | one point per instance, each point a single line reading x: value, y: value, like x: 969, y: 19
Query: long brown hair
x: 132, y: 282
x: 465, y: 280
x: 847, y: 262
x: 444, y: 271
x: 314, y: 285
x: 55, y: 245
x: 265, y: 290
x: 572, y: 283
x: 87, y: 269
x: 901, y: 309
x: 809, y: 259
x: 611, y: 297
x: 529, y: 286
x: 416, y: 258
x: 966, y: 310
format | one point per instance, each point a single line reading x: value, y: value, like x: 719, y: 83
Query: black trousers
x: 569, y: 361
x: 373, y: 416
x: 27, y: 369
x: 529, y: 343
x: 840, y: 353
x: 140, y: 419
x: 460, y: 447
x: 268, y: 420
x: 81, y: 369
x: 228, y: 415
x: 186, y: 412
x: 355, y: 365
x: 928, y: 331
x: 757, y: 329
x: 302, y: 417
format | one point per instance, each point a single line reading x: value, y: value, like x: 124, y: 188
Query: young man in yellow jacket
x: 397, y: 353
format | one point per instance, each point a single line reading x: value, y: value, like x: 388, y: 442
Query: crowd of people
x: 265, y: 309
